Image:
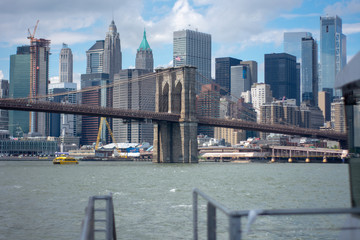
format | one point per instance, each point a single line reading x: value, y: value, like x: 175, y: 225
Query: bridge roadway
x: 44, y: 106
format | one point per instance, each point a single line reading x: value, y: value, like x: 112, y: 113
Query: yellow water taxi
x: 63, y: 159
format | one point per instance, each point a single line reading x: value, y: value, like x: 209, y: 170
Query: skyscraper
x: 208, y: 105
x: 332, y: 53
x: 260, y: 94
x: 253, y: 71
x: 39, y: 80
x: 309, y: 71
x: 112, y: 52
x: 95, y: 58
x: 144, y: 56
x: 104, y: 60
x: 292, y: 43
x: 338, y: 122
x: 240, y: 81
x: 223, y: 73
x: 105, y: 55
x: 97, y: 97
x: 63, y: 123
x: 132, y: 93
x: 193, y: 48
x: 4, y: 114
x: 293, y: 46
x: 19, y: 88
x: 280, y: 74
x: 66, y: 64
x: 324, y: 103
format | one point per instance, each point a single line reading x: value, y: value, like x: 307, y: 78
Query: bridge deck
x: 44, y: 106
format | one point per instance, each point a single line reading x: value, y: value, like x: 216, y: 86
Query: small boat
x: 63, y: 159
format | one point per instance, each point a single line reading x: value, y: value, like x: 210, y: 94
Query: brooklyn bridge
x: 175, y: 119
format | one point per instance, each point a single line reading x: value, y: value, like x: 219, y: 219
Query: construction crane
x: 111, y: 134
x: 32, y: 36
x: 32, y: 73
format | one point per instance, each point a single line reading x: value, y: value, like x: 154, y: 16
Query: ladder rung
x: 100, y: 220
x: 100, y: 230
x: 100, y: 209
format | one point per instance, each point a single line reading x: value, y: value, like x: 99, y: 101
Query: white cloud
x: 351, y: 28
x: 343, y: 8
x: 76, y: 21
x: 243, y: 18
x: 293, y: 16
x: 1, y: 74
x: 169, y: 64
x: 70, y: 38
x: 244, y: 22
x: 273, y: 36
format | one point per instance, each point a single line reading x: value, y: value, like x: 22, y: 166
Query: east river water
x: 39, y: 200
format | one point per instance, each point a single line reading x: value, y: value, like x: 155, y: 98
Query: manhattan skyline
x: 249, y: 30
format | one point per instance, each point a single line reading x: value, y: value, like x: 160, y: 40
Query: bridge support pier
x: 176, y: 142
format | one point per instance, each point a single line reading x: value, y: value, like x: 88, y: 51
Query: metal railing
x: 234, y: 217
x: 99, y: 218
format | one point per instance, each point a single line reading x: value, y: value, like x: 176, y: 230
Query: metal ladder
x: 99, y: 221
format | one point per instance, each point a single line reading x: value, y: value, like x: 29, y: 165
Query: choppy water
x: 39, y: 200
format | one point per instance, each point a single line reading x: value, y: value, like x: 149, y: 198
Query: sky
x: 239, y: 28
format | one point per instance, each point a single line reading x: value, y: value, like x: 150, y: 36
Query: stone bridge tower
x: 175, y: 93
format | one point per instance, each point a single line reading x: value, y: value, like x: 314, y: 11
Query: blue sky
x: 240, y: 28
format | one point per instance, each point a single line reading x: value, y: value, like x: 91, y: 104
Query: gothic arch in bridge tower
x: 164, y: 98
x: 176, y: 98
x: 176, y: 142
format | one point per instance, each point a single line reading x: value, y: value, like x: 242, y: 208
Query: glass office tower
x: 193, y: 48
x: 223, y: 73
x: 281, y: 75
x: 309, y: 72
x: 240, y: 81
x: 292, y: 43
x: 19, y: 88
x: 332, y: 53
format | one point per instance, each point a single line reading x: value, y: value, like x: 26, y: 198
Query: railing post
x: 109, y: 220
x: 211, y: 221
x: 195, y: 215
x: 113, y: 219
x: 235, y: 228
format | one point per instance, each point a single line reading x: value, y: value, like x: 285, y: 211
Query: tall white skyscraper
x: 66, y: 64
x: 332, y: 53
x: 112, y: 52
x: 105, y: 55
x: 193, y: 48
x: 260, y: 94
